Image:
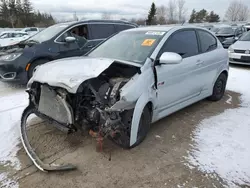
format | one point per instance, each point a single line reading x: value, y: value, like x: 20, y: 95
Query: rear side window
x: 33, y: 29
x: 123, y: 27
x: 101, y: 31
x: 183, y: 42
x: 207, y: 41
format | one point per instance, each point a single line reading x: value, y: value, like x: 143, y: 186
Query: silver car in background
x: 239, y: 52
x: 131, y: 80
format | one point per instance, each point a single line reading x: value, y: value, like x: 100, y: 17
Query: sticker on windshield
x: 148, y: 42
x: 155, y: 33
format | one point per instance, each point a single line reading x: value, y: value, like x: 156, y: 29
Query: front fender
x: 139, y: 106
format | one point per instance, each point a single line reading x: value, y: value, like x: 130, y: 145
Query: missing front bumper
x: 55, y: 106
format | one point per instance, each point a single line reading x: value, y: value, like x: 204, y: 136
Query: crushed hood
x: 69, y: 73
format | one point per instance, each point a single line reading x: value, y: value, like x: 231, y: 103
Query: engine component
x: 55, y: 106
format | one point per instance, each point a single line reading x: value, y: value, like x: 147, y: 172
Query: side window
x: 4, y: 36
x: 239, y: 31
x: 101, y: 31
x: 183, y: 42
x: 208, y: 41
x: 123, y: 27
x: 33, y: 29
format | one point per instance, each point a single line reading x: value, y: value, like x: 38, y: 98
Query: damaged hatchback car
x: 126, y: 83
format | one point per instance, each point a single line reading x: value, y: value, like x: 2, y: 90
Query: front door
x: 179, y: 82
x: 70, y: 49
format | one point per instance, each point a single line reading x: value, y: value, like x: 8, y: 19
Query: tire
x: 123, y: 139
x: 34, y: 65
x: 219, y: 88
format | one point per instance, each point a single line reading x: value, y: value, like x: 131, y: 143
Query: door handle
x: 199, y: 62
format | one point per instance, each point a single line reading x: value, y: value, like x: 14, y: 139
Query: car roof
x: 13, y: 32
x: 163, y: 28
x: 98, y: 21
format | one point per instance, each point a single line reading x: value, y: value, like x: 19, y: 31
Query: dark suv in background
x: 58, y: 41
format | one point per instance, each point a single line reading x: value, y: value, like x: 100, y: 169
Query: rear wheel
x: 33, y: 66
x: 219, y: 88
x: 123, y: 137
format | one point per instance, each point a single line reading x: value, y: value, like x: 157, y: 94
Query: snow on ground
x: 11, y: 108
x: 222, y: 142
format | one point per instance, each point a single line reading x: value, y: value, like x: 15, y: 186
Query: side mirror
x: 70, y: 39
x: 170, y: 58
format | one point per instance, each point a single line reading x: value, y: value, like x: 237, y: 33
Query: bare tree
x: 181, y: 10
x: 244, y: 13
x: 161, y: 14
x: 106, y: 16
x: 171, y: 10
x: 237, y: 11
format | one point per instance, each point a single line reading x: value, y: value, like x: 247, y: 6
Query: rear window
x: 101, y: 31
x: 33, y: 29
x: 208, y: 41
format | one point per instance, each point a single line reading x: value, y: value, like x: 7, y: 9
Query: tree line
x: 176, y: 12
x: 20, y: 13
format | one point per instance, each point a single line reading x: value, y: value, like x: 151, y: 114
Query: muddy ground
x: 158, y: 162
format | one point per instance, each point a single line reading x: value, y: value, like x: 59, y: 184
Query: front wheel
x: 219, y: 88
x: 123, y: 137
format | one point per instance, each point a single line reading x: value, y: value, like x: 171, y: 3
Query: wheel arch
x: 37, y: 59
x: 145, y: 100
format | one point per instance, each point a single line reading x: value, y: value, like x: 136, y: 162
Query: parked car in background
x: 134, y: 78
x: 247, y: 26
x: 56, y: 42
x: 229, y: 34
x: 239, y: 52
x: 31, y: 30
x: 12, y: 37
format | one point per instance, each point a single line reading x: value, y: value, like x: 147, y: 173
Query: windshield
x: 245, y: 37
x: 48, y: 33
x: 4, y: 35
x: 226, y: 30
x: 215, y: 29
x: 134, y: 46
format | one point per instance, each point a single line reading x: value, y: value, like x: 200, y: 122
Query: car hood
x: 224, y: 35
x: 69, y: 73
x: 241, y: 45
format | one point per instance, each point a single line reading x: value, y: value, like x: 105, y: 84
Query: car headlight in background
x: 230, y: 50
x: 10, y: 57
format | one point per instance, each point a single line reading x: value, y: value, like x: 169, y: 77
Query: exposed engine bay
x: 88, y: 109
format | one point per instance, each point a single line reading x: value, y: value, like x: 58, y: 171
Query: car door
x: 211, y: 58
x: 179, y: 82
x: 70, y: 49
x: 98, y: 33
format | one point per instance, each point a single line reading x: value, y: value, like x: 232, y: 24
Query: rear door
x: 98, y: 33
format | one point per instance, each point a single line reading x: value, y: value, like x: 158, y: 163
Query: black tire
x: 219, y: 88
x: 34, y: 65
x: 123, y: 139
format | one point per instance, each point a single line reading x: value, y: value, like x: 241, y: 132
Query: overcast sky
x: 64, y: 9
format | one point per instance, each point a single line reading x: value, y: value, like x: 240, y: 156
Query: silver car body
x: 178, y: 85
x: 240, y: 53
